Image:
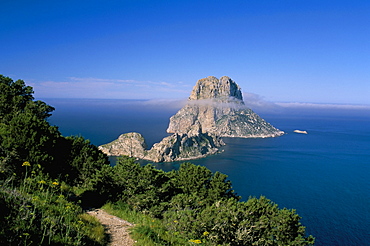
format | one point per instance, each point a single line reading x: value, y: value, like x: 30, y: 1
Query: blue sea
x: 324, y: 175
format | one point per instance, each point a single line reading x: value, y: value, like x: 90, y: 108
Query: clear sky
x: 315, y: 51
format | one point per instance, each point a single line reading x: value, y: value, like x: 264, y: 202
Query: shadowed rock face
x: 185, y: 146
x: 217, y: 106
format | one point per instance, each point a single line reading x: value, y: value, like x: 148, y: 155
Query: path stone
x: 117, y: 228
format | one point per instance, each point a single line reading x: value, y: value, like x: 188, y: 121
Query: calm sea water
x: 324, y: 175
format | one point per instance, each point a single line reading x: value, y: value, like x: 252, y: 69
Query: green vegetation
x: 38, y: 212
x: 192, y: 205
x: 41, y: 174
x: 47, y: 180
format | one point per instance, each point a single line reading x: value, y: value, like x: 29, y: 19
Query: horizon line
x: 284, y: 104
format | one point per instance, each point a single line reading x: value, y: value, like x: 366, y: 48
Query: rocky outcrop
x: 129, y: 144
x: 176, y: 147
x: 217, y: 106
x: 185, y: 146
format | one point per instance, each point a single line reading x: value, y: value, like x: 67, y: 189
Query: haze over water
x: 324, y: 175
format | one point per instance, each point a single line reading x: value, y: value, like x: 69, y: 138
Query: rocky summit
x: 218, y: 106
x: 221, y: 90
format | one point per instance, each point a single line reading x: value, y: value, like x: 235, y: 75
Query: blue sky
x: 281, y: 51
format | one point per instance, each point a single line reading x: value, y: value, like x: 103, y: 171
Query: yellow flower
x: 55, y: 183
x: 175, y: 221
x: 196, y: 241
x: 26, y: 163
x: 206, y: 233
x: 42, y: 182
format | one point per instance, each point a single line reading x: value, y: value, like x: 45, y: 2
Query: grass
x: 38, y: 212
x: 93, y: 228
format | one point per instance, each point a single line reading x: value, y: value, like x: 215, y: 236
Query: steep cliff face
x: 218, y: 107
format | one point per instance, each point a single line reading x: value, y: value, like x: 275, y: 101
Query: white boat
x: 299, y: 131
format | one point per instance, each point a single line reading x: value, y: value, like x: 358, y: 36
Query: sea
x: 324, y: 175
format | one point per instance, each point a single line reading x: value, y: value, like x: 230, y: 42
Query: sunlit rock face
x: 128, y: 144
x: 217, y: 106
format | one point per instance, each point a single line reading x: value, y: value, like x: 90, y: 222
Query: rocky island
x: 218, y: 106
x: 215, y: 109
x: 177, y: 147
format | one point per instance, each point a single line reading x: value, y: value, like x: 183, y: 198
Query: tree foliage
x: 26, y: 135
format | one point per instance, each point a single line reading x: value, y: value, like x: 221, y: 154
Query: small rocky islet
x: 215, y: 109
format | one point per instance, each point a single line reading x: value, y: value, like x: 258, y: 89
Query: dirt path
x: 117, y: 228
